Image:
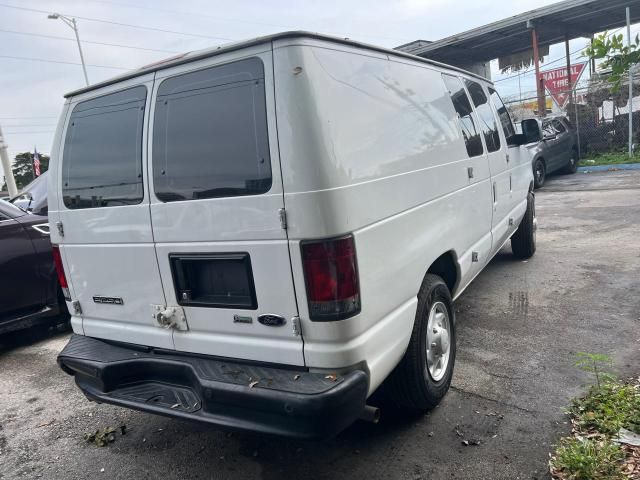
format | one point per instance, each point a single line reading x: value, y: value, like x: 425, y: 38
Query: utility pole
x: 71, y: 22
x: 630, y: 103
x: 536, y: 60
x: 6, y: 166
x: 569, y: 84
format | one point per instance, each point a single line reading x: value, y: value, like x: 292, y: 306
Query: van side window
x: 503, y: 114
x: 210, y: 134
x: 465, y: 119
x: 486, y: 117
x: 102, y: 160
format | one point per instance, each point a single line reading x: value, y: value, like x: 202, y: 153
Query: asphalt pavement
x: 519, y: 324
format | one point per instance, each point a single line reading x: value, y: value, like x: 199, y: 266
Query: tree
x: 23, y: 168
x: 618, y: 57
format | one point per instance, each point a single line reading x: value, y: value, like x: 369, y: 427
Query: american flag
x: 36, y: 162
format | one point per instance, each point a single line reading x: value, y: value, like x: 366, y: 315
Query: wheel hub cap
x: 438, y: 341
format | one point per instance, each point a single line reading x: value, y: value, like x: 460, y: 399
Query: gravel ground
x: 519, y: 325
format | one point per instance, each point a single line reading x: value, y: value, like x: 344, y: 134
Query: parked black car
x: 556, y: 151
x: 29, y: 289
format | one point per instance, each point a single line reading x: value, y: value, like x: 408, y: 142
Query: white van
x: 263, y: 234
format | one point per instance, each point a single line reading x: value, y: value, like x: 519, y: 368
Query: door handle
x: 495, y: 197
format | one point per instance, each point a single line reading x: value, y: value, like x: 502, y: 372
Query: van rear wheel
x: 424, y: 374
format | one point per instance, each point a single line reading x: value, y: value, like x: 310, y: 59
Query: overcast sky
x: 31, y: 91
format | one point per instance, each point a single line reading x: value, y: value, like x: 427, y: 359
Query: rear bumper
x: 291, y: 402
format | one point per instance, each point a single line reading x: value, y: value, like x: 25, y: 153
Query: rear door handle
x: 495, y: 197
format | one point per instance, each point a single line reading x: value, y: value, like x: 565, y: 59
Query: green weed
x: 587, y: 459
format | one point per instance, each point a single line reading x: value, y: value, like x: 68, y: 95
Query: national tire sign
x: 556, y: 82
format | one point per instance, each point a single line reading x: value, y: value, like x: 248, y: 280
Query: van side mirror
x: 531, y: 130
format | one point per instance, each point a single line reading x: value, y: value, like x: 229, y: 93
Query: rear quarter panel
x: 370, y: 145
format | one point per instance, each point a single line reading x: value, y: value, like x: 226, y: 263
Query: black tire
x: 572, y: 164
x: 523, y: 242
x: 410, y: 388
x: 539, y: 173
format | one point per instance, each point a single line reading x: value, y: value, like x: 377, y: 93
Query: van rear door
x: 216, y: 209
x: 101, y: 217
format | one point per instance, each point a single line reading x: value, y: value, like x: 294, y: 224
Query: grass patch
x: 607, y: 409
x: 612, y: 158
x: 590, y: 452
x: 584, y: 459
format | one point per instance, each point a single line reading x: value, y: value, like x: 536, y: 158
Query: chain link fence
x: 599, y: 116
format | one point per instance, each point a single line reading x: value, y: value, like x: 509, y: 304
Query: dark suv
x: 29, y: 287
x: 557, y: 151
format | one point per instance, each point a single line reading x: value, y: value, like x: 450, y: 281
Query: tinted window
x: 547, y: 128
x: 465, y: 119
x: 557, y: 124
x: 503, y: 114
x: 486, y: 117
x: 210, y: 134
x: 102, y: 163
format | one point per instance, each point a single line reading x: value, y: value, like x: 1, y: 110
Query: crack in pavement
x: 500, y: 402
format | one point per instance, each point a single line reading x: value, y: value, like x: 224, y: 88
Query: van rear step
x: 284, y: 401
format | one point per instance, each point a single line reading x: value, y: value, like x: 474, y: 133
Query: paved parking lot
x: 519, y: 325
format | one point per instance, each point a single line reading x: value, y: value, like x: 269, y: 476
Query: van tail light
x: 62, y: 279
x: 331, y: 277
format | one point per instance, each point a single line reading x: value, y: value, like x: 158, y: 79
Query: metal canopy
x: 572, y: 18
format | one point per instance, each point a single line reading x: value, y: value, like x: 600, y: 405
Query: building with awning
x: 519, y: 41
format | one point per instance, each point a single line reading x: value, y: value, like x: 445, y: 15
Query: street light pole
x: 6, y: 166
x: 630, y: 102
x: 71, y: 22
x: 84, y: 67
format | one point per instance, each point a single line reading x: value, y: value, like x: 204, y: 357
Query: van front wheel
x: 423, y: 376
x: 523, y: 241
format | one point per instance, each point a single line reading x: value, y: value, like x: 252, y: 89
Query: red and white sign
x: 557, y: 83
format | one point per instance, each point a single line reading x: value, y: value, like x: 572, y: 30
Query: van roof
x: 210, y: 52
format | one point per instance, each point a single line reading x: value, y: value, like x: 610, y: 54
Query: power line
x: 194, y: 14
x: 30, y: 34
x: 31, y: 59
x: 20, y: 118
x: 529, y: 69
x: 30, y: 133
x: 250, y: 22
x: 29, y: 125
x: 120, y: 24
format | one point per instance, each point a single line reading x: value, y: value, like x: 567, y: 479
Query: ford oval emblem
x: 271, y: 320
